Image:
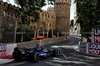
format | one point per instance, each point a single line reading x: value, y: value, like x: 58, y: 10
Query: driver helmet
x: 38, y: 46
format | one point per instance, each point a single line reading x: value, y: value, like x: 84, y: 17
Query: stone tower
x: 62, y: 11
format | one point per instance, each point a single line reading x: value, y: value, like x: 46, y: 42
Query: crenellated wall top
x: 5, y: 5
x: 63, y: 1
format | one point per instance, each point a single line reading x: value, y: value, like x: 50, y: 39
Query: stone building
x: 9, y: 10
x: 56, y: 18
x: 62, y: 11
x: 8, y: 15
x: 47, y: 20
x: 51, y: 10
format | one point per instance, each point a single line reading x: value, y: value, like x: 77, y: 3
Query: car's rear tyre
x: 34, y: 57
x: 16, y: 55
x: 55, y: 53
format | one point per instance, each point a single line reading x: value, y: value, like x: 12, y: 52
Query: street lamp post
x: 15, y: 31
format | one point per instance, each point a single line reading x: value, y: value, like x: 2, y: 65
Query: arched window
x: 51, y: 16
x: 8, y: 14
x: 42, y: 15
x: 4, y: 12
x: 16, y: 16
x: 45, y: 15
x: 48, y: 16
x: 34, y: 27
x: 4, y: 4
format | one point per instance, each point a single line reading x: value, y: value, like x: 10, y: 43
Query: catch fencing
x: 7, y: 28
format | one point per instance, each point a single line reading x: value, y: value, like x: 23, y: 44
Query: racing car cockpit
x: 36, y: 48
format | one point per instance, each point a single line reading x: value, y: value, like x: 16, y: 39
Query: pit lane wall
x: 89, y: 48
x: 6, y: 49
x: 30, y: 44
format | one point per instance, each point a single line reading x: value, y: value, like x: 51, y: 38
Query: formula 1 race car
x: 34, y: 54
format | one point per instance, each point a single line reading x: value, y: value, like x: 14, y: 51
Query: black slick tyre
x: 16, y: 55
x: 55, y: 53
x: 34, y: 57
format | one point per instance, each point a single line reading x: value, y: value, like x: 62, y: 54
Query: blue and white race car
x: 34, y: 54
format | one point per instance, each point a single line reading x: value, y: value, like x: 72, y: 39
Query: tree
x: 24, y: 32
x: 72, y: 23
x: 29, y: 8
x: 29, y: 12
x: 88, y: 15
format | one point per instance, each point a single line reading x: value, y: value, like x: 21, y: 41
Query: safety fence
x: 7, y: 28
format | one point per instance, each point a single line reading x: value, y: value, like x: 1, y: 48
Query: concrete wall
x: 30, y: 44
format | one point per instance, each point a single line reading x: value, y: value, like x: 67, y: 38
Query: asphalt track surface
x: 69, y: 56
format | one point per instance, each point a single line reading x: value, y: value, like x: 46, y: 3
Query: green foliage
x: 72, y: 23
x: 24, y: 31
x: 45, y: 30
x: 29, y: 8
x: 88, y: 15
x: 50, y: 34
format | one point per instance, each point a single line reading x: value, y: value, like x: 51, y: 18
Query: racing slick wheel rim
x: 34, y: 57
x: 55, y: 53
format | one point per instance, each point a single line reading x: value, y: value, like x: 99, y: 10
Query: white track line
x: 3, y: 61
x: 65, y: 56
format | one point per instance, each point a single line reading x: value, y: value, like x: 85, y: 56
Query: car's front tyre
x: 55, y: 53
x: 34, y: 57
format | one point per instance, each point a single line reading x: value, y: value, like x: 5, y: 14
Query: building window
x: 11, y: 16
x: 45, y: 15
x: 34, y: 27
x: 16, y: 16
x: 75, y: 28
x: 49, y: 16
x: 8, y: 13
x: 50, y: 25
x: 42, y: 14
x: 4, y: 4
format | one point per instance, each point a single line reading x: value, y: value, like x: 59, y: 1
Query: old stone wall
x: 9, y: 10
x: 47, y: 22
x: 51, y: 10
x: 57, y: 18
x: 7, y: 23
